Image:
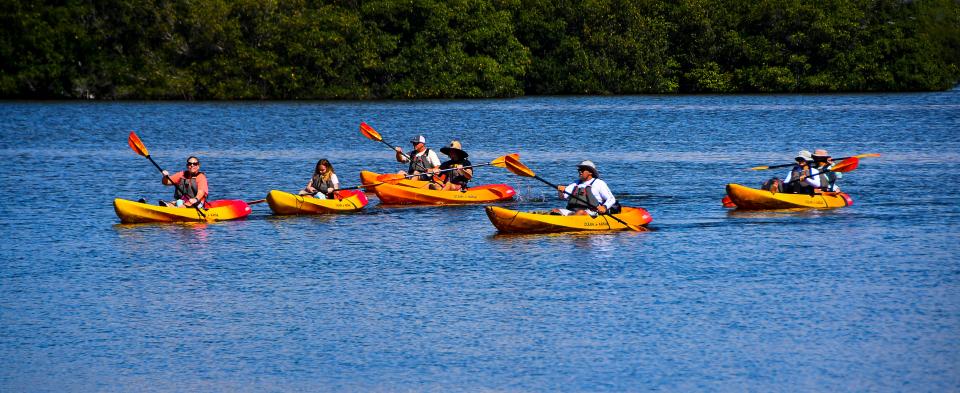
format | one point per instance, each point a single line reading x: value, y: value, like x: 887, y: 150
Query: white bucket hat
x: 590, y: 166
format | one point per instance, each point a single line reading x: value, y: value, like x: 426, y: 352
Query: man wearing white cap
x: 588, y: 195
x: 422, y: 160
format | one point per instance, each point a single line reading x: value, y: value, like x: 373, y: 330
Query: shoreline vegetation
x: 398, y: 49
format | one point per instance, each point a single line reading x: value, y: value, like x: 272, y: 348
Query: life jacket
x: 583, y: 198
x: 419, y: 163
x: 452, y: 176
x: 796, y: 185
x: 321, y: 185
x: 189, y: 187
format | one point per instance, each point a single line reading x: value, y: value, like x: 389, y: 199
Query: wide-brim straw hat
x: 820, y: 155
x: 454, y: 146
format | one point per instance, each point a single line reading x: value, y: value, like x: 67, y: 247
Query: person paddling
x: 191, y: 181
x: 453, y: 172
x: 802, y: 179
x: 822, y: 163
x: 588, y: 195
x: 423, y: 161
x: 324, y: 181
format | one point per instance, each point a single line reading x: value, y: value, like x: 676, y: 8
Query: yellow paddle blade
x: 134, y: 141
x: 760, y: 168
x: 867, y: 155
x: 514, y: 165
x: 499, y: 161
x: 369, y: 132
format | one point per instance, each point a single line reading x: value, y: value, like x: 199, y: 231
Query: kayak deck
x: 346, y: 201
x: 513, y: 221
x: 220, y: 210
x: 393, y: 189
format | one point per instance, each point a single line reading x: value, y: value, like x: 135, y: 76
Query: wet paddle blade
x: 514, y: 165
x: 727, y: 202
x: 369, y: 132
x: 137, y: 145
x: 499, y: 161
x: 867, y: 155
x: 846, y: 165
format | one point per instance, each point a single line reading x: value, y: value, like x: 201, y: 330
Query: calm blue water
x: 400, y: 299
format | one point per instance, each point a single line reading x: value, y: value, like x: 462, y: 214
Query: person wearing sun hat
x: 821, y: 163
x: 453, y: 171
x: 588, y: 195
x: 802, y: 179
x: 423, y: 161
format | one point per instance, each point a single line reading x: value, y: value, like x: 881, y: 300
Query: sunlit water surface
x: 426, y: 298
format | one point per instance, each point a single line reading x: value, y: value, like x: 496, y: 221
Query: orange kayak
x: 372, y: 179
x: 512, y: 221
x: 746, y: 198
x: 286, y: 203
x: 393, y: 189
x: 134, y: 212
x: 390, y: 194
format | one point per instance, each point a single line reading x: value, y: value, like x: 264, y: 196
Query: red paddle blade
x: 727, y: 202
x: 134, y: 141
x: 369, y: 132
x: 846, y: 165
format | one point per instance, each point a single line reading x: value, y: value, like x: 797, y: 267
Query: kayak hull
x: 284, y: 203
x: 390, y: 194
x: 135, y: 212
x: 394, y: 190
x: 512, y: 221
x: 746, y: 198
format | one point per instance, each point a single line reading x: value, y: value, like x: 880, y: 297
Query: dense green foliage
x: 303, y: 49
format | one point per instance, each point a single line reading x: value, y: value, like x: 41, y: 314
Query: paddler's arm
x: 400, y: 156
x: 173, y: 179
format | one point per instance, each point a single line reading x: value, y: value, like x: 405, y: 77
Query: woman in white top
x: 324, y: 181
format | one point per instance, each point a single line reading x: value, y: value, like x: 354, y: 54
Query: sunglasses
x: 193, y: 163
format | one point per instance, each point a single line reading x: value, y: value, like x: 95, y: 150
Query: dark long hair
x: 325, y: 162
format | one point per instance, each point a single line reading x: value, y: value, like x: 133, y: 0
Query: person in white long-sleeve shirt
x: 802, y: 178
x: 588, y: 195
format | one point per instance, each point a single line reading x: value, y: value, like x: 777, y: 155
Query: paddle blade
x: 514, y: 165
x: 137, y: 145
x: 369, y: 132
x: 727, y: 202
x: 760, y: 168
x: 846, y: 165
x: 867, y: 155
x: 499, y: 161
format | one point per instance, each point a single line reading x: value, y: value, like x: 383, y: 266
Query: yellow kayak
x: 134, y: 212
x: 286, y: 203
x: 747, y: 198
x: 512, y: 221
